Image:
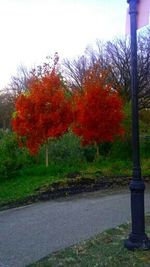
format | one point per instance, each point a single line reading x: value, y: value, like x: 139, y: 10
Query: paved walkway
x: 31, y: 232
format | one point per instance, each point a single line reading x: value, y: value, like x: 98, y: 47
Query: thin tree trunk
x: 46, y: 154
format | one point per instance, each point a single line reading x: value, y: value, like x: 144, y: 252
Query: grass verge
x: 104, y: 250
x: 26, y: 183
x: 35, y: 179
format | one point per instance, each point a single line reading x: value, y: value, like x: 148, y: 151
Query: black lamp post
x: 137, y: 237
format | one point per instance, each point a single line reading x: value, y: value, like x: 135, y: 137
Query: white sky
x: 30, y: 30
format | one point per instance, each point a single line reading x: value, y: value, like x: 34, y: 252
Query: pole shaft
x: 137, y: 238
x: 134, y: 89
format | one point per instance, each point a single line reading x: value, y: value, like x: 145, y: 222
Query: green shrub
x: 144, y: 116
x: 54, y: 169
x: 12, y: 158
x: 121, y: 150
x: 145, y: 147
x: 65, y: 149
x: 105, y: 149
x: 89, y: 153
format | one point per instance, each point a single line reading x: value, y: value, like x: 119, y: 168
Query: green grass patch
x: 109, y: 167
x: 145, y: 165
x: 21, y: 174
x: 28, y: 180
x: 104, y: 250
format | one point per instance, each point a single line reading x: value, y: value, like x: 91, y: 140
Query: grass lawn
x: 104, y: 250
x: 25, y: 185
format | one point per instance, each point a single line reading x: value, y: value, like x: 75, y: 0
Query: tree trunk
x: 46, y: 154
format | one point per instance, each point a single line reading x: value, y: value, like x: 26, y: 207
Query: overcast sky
x: 30, y: 30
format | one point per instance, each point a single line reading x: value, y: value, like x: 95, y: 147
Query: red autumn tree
x: 42, y: 113
x: 97, y: 110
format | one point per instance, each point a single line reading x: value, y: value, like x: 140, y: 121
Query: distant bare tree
x: 6, y: 109
x: 144, y: 69
x: 19, y: 83
x: 119, y: 56
x: 115, y: 56
x: 117, y: 59
x: 75, y: 70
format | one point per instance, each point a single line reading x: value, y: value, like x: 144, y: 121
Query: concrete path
x: 32, y: 232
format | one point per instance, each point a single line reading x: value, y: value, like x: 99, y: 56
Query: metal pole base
x: 135, y: 243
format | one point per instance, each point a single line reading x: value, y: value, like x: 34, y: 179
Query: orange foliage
x: 97, y: 110
x: 43, y: 112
